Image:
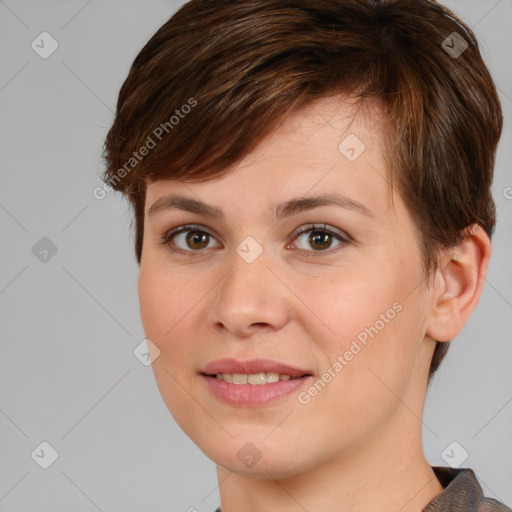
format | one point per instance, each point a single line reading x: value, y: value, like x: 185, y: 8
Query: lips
x: 237, y: 393
x: 253, y: 366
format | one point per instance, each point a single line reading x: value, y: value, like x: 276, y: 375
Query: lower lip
x: 253, y: 394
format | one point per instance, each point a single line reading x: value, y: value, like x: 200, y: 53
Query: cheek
x: 371, y: 351
x: 165, y: 310
x: 154, y: 303
x: 351, y: 306
x: 164, y: 303
x: 370, y: 322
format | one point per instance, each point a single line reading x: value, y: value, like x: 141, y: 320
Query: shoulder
x: 462, y: 493
x: 492, y: 505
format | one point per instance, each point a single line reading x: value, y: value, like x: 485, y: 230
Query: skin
x: 357, y: 444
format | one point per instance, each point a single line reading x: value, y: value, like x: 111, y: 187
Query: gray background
x: 68, y: 375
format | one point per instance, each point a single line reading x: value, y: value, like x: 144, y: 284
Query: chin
x: 262, y: 460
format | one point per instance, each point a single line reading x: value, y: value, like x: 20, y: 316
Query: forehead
x: 332, y: 145
x: 335, y: 130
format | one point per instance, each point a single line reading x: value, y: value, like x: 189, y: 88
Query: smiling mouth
x: 254, y: 378
x: 253, y: 382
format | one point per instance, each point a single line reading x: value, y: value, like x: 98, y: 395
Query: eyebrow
x: 280, y: 211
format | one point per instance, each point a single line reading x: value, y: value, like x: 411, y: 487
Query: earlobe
x: 458, y: 284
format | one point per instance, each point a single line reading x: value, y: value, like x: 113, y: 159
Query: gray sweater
x: 462, y: 493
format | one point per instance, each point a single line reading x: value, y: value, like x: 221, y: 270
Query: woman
x: 310, y: 182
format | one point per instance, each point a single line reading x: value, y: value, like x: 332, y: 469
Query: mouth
x: 253, y: 371
x: 256, y: 379
x: 255, y: 382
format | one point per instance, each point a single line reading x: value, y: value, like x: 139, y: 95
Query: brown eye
x: 192, y: 238
x: 187, y: 239
x: 197, y: 239
x: 320, y: 239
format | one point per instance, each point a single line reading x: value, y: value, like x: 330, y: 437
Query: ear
x: 458, y: 284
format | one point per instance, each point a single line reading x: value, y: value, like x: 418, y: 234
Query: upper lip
x: 252, y: 366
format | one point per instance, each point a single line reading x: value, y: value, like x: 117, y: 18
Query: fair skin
x: 357, y: 445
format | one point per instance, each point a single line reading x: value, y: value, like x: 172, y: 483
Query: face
x: 333, y: 290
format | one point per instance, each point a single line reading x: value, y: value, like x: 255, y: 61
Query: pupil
x: 315, y: 235
x: 196, y: 236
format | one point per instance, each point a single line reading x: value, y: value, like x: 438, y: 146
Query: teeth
x: 254, y: 378
x: 259, y: 378
x: 239, y: 378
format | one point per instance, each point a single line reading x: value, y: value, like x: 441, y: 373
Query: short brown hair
x: 241, y: 66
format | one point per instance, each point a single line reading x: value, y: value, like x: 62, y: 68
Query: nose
x: 250, y: 298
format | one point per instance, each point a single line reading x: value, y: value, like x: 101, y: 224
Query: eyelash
x: 345, y: 239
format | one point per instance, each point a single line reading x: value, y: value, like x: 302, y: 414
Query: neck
x: 389, y: 473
